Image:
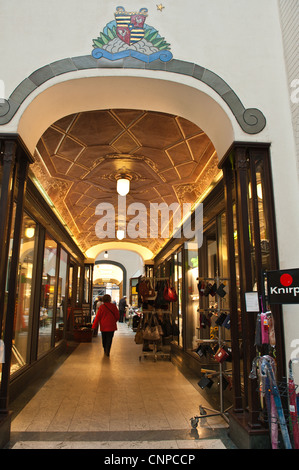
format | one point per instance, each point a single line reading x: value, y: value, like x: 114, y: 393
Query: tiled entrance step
x: 166, y: 439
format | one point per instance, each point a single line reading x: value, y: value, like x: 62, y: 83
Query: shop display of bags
x: 139, y: 335
x: 170, y: 294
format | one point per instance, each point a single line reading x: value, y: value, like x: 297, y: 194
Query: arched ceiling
x: 78, y: 157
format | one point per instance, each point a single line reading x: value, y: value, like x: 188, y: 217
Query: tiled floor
x: 122, y: 402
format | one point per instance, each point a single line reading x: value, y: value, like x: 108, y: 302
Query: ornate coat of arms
x: 129, y: 35
x: 130, y: 26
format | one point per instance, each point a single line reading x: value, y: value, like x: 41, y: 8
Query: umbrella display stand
x: 278, y: 404
x: 272, y: 419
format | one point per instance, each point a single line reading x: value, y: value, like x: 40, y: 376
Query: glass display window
x: 177, y: 316
x: 61, y: 296
x: 48, y: 291
x: 191, y: 292
x: 23, y: 306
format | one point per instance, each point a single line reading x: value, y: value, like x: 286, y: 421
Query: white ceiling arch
x: 165, y: 92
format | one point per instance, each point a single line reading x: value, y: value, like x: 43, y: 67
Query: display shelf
x: 216, y: 308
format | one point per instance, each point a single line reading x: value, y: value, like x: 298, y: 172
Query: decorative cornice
x: 251, y: 120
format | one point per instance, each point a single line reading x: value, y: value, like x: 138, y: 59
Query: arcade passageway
x: 121, y: 402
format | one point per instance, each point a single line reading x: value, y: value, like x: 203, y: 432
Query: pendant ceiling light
x: 123, y: 185
x: 120, y: 234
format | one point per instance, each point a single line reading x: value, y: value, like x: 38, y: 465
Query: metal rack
x: 155, y: 354
x: 206, y: 412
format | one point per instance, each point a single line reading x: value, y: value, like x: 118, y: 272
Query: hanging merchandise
x: 272, y: 338
x: 151, y: 331
x: 258, y: 331
x: 264, y: 328
x: 267, y: 370
x: 293, y: 406
x: 201, y: 287
x: 146, y: 290
x: 139, y: 334
x: 170, y: 294
x: 207, y: 289
x: 160, y: 301
x: 220, y: 291
x: 226, y: 322
x: 220, y: 320
x: 213, y: 289
x: 221, y: 355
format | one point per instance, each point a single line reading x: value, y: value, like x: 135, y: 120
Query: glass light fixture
x: 106, y: 254
x: 29, y: 232
x: 120, y: 234
x: 123, y: 186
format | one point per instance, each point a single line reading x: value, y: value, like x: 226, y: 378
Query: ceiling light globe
x: 123, y: 186
x: 120, y: 234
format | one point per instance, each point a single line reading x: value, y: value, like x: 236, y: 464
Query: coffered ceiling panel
x: 79, y: 157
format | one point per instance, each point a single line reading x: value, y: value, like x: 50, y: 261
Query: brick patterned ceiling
x: 77, y: 158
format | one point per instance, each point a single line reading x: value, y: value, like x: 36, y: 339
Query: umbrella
x: 271, y: 408
x: 269, y: 365
x: 293, y: 406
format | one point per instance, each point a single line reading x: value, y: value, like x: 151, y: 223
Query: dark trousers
x: 121, y: 316
x: 107, y: 337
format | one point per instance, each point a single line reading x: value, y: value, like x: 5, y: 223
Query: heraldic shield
x: 130, y: 26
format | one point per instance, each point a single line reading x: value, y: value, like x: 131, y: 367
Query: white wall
x: 289, y: 14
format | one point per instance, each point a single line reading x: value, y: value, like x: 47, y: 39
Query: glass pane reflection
x: 47, y: 295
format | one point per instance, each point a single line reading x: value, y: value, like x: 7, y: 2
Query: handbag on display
x: 220, y: 291
x: 151, y: 333
x: 226, y: 322
x: 220, y: 320
x: 146, y: 290
x: 221, y: 355
x: 201, y: 288
x: 207, y: 289
x: 170, y: 294
x: 205, y: 382
x: 213, y: 289
x: 139, y: 335
x: 167, y: 327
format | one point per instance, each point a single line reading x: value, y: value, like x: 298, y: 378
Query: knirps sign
x: 283, y: 286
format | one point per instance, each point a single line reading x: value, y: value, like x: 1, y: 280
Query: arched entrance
x: 71, y: 98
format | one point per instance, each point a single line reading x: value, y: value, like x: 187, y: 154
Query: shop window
x: 192, y: 294
x: 177, y: 306
x: 23, y: 306
x: 71, y: 279
x: 2, y: 351
x: 61, y: 296
x: 47, y: 302
x: 262, y: 214
x: 222, y: 246
x: 78, y: 284
x: 87, y: 276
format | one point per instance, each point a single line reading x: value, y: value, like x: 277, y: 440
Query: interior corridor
x: 125, y: 401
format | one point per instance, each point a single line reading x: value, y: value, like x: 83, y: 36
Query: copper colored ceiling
x: 169, y: 158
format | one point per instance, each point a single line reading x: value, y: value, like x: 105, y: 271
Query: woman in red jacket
x: 107, y: 316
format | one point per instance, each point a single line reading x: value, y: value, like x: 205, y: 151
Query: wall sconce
x: 123, y: 185
x: 106, y: 254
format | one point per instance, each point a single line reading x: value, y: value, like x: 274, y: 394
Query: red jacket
x: 107, y: 317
